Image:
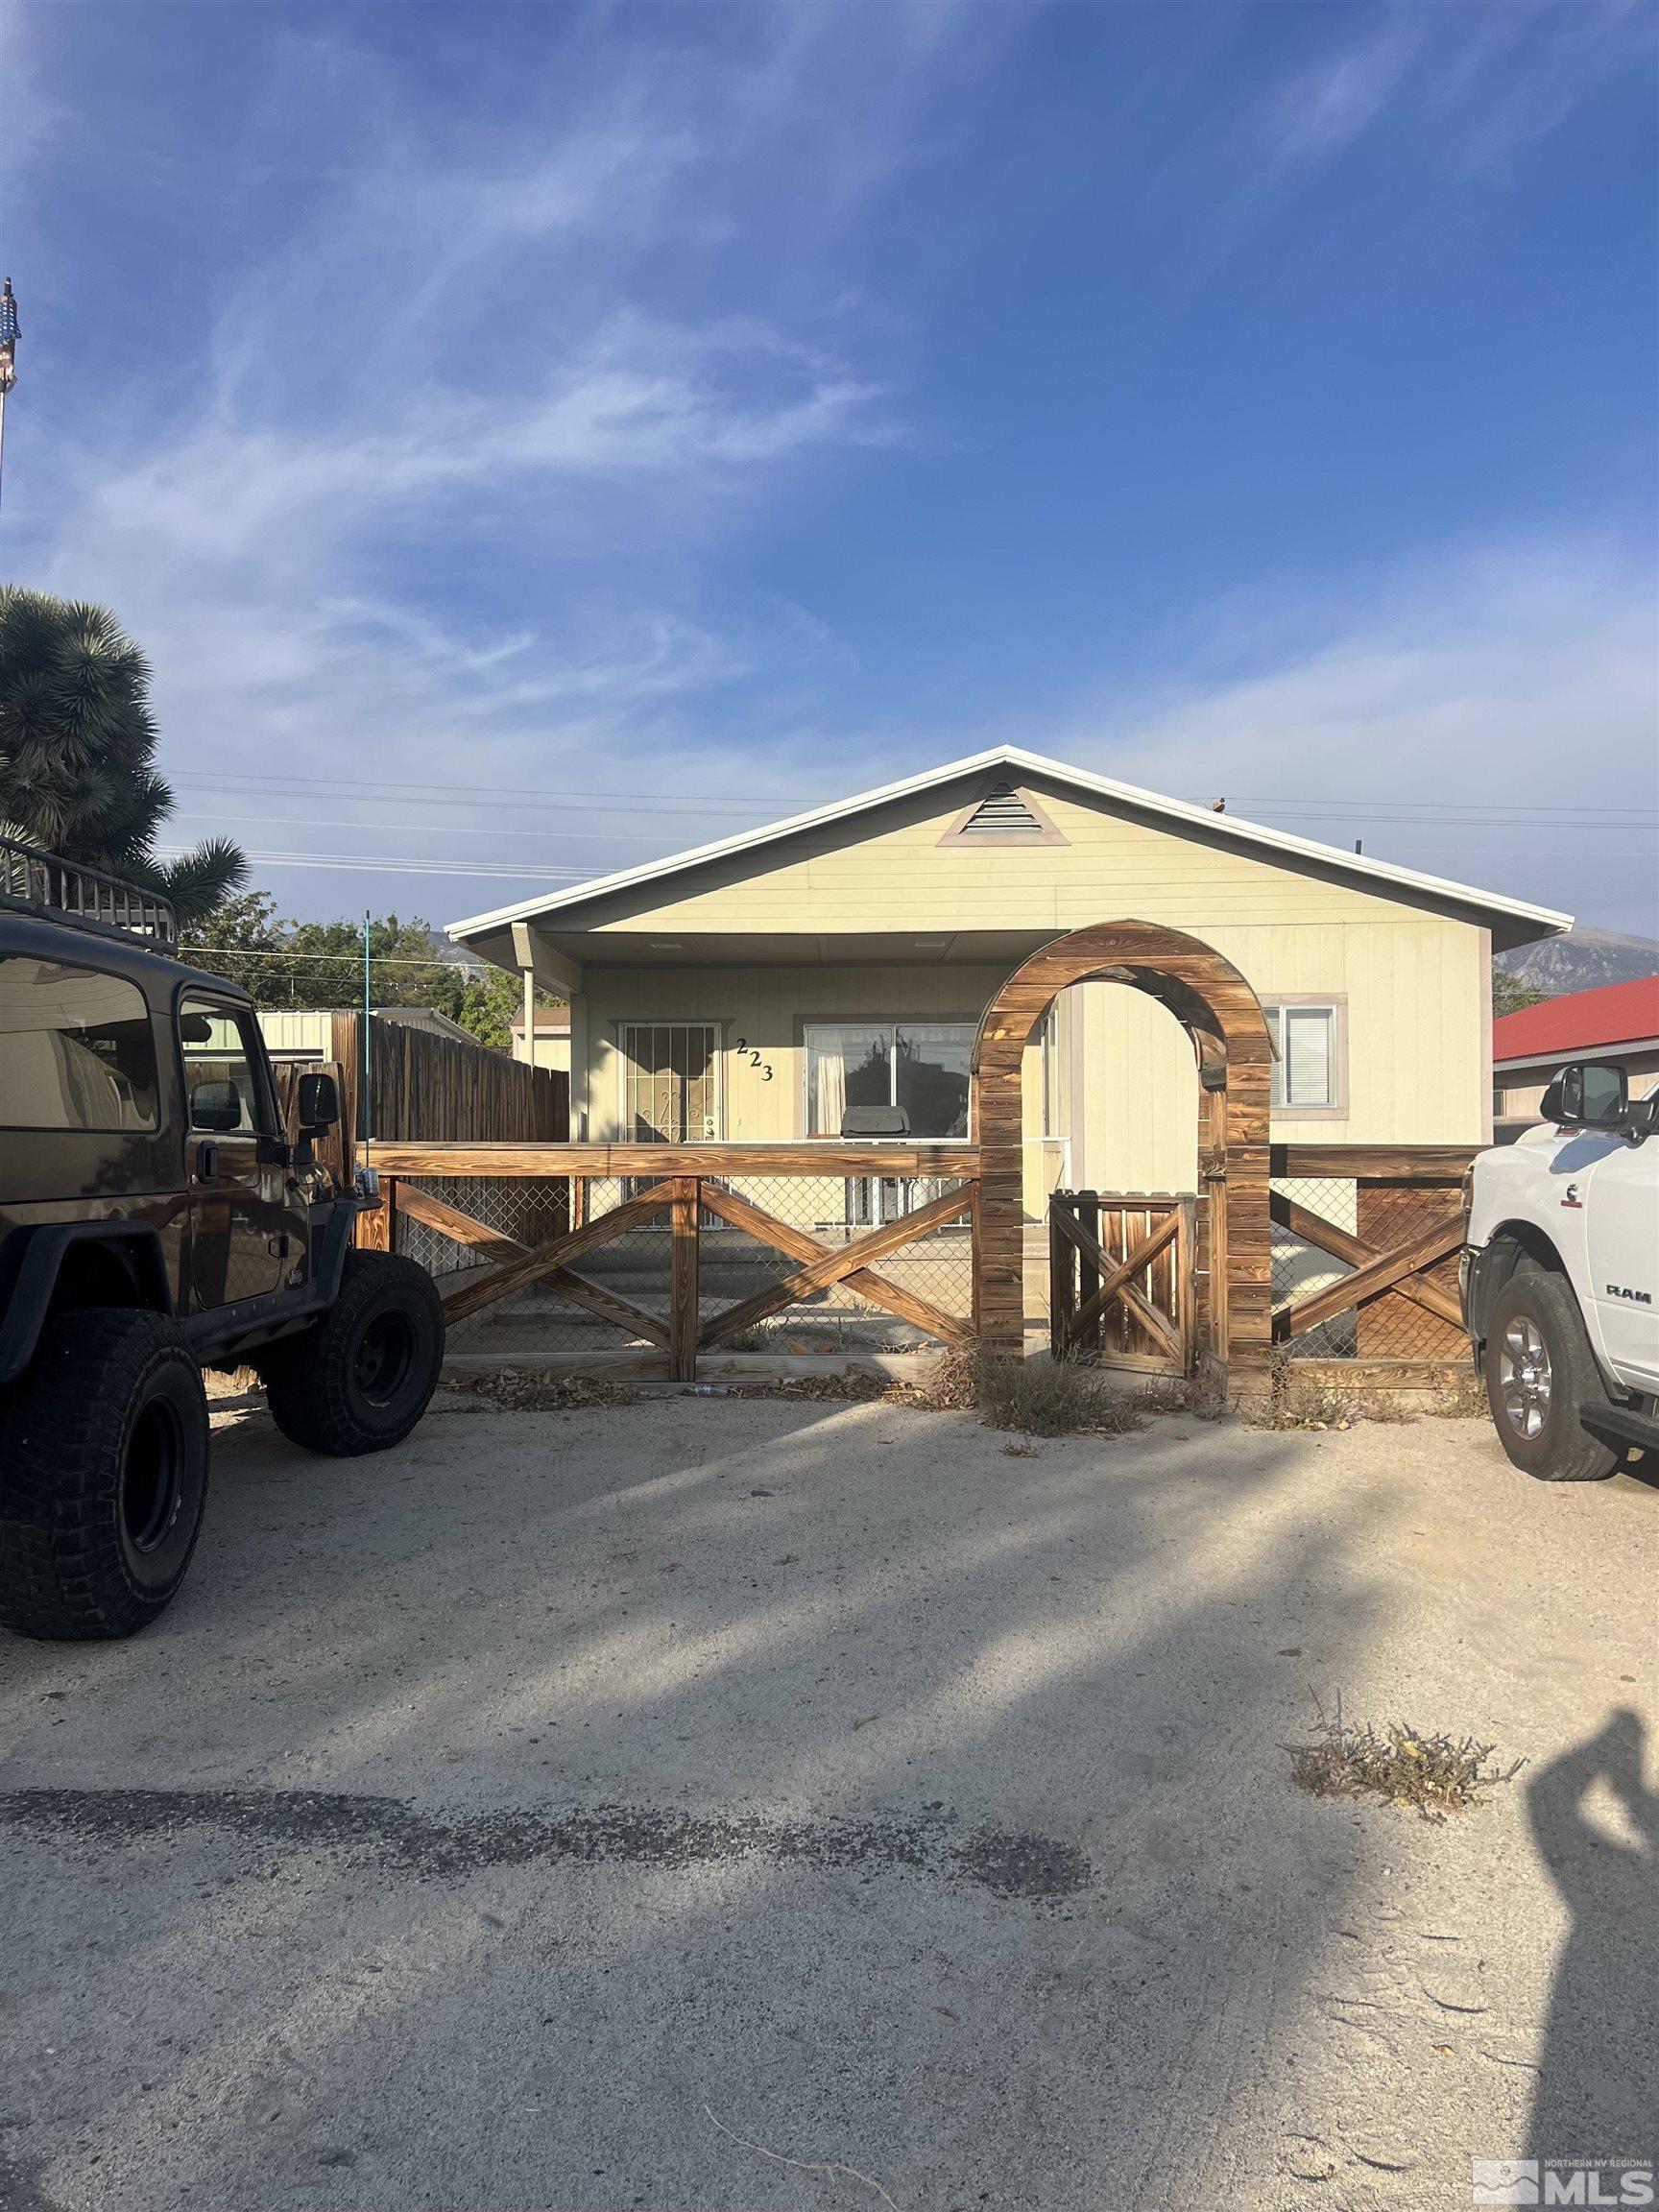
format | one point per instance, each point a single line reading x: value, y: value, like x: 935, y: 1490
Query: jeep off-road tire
x: 1541, y: 1376
x: 359, y: 1379
x: 102, y: 1476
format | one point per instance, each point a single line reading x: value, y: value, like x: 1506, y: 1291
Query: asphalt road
x: 716, y: 1804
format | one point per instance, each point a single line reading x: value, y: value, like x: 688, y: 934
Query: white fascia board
x: 1559, y: 1054
x: 1229, y: 826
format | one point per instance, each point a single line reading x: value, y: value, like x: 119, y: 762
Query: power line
x: 331, y: 959
x: 436, y: 829
x: 1479, y: 813
x: 377, y: 864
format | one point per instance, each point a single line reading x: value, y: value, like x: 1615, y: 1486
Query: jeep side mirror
x: 319, y: 1104
x: 1588, y: 1094
x: 216, y: 1106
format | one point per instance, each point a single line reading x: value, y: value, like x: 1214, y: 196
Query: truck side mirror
x: 319, y: 1104
x: 1588, y: 1094
x: 216, y: 1106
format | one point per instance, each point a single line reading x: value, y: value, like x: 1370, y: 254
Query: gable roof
x: 1614, y: 1014
x: 1543, y: 921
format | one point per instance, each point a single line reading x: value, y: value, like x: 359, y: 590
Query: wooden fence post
x: 1062, y: 1280
x: 1085, y: 1212
x: 682, y: 1214
x: 377, y: 1230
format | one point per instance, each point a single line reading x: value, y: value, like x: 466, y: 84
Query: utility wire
x: 552, y: 796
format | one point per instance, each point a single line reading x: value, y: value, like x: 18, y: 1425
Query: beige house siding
x: 766, y: 1006
x: 838, y: 902
x: 1409, y: 989
x: 549, y: 1048
x: 863, y: 877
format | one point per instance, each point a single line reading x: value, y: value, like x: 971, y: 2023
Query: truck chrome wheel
x: 1523, y: 1378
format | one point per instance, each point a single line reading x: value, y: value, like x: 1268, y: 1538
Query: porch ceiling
x: 901, y: 948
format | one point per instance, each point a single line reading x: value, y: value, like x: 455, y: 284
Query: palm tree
x: 77, y: 738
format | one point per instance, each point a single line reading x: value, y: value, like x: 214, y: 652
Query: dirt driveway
x: 716, y: 1804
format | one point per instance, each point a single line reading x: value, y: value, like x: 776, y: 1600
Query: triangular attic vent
x: 1002, y: 813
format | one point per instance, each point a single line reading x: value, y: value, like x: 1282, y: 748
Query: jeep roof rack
x: 67, y: 890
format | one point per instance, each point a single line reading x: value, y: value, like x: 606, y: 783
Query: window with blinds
x: 1305, y: 1074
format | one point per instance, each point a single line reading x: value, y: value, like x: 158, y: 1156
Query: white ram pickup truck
x: 1560, y: 1278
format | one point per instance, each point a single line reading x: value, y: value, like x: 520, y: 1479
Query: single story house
x: 549, y: 1040
x: 1619, y: 1022
x: 754, y: 989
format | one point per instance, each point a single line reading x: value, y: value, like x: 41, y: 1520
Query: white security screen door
x: 670, y: 1082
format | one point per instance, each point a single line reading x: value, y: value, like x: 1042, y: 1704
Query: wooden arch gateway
x: 1224, y: 1016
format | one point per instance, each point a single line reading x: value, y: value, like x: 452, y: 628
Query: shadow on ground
x: 720, y: 1803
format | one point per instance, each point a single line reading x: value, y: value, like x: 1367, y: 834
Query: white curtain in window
x: 828, y: 1091
x: 847, y: 1064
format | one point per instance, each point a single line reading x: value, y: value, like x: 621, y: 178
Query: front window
x: 1305, y: 1075
x: 921, y: 1066
x: 77, y: 1050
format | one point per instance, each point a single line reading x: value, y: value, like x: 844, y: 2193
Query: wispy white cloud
x: 530, y: 349
x: 1486, y: 683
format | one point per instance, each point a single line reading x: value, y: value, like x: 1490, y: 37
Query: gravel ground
x: 722, y: 1804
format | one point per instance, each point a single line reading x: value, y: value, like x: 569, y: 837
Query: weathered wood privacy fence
x: 421, y: 1083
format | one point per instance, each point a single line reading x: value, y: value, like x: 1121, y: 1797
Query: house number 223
x: 740, y: 1045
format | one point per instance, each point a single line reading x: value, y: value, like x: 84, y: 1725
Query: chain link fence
x: 1379, y: 1217
x: 632, y: 1269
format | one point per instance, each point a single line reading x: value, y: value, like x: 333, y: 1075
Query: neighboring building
x: 1620, y: 1022
x: 551, y: 1043
x: 306, y: 1032
x: 753, y: 989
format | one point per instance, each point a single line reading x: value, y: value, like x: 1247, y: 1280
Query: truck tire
x: 1541, y: 1375
x: 102, y: 1476
x: 359, y: 1379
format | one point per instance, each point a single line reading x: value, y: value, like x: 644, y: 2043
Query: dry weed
x: 1432, y: 1774
x: 539, y: 1389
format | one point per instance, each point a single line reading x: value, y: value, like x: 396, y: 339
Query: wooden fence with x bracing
x: 1364, y: 1246
x: 689, y: 1249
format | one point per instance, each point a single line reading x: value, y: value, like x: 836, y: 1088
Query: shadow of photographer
x: 1598, y: 2092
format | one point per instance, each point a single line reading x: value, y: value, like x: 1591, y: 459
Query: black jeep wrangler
x: 156, y: 1220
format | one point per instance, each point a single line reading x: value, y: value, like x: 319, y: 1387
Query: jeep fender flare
x: 34, y: 1262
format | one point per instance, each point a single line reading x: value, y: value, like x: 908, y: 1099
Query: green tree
x: 77, y: 749
x: 243, y: 940
x: 487, y: 1004
x: 1509, y: 993
x: 321, y: 964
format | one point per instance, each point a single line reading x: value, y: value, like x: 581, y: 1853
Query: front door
x: 237, y: 1221
x: 670, y: 1083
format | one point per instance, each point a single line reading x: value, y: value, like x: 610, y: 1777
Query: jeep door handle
x: 207, y: 1162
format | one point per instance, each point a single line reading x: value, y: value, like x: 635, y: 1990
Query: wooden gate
x: 1120, y: 1290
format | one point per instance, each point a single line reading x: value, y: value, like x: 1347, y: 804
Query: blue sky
x: 615, y: 426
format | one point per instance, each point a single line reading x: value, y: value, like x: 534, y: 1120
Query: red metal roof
x: 1617, y: 1014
